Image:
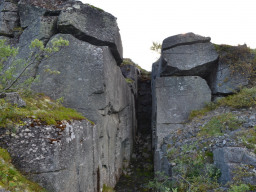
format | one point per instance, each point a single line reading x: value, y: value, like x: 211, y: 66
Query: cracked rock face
x: 92, y: 25
x: 188, y: 55
x: 176, y: 97
x: 90, y: 82
x: 9, y: 19
x: 183, y: 39
x: 233, y: 70
x: 228, y: 159
x: 57, y: 157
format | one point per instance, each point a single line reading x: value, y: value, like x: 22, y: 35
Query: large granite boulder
x: 234, y: 69
x: 183, y: 39
x: 9, y: 19
x: 91, y: 82
x: 230, y: 159
x: 192, y: 55
x: 60, y: 158
x: 92, y: 25
x: 176, y: 97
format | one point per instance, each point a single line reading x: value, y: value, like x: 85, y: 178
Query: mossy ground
x: 37, y: 107
x: 190, y: 150
x: 244, y: 99
x: 11, y: 179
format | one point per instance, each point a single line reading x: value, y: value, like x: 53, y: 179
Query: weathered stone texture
x: 234, y: 69
x: 94, y: 26
x: 60, y: 158
x: 183, y: 39
x: 228, y: 159
x: 8, y: 18
x: 91, y: 82
x: 195, y: 59
x: 178, y: 96
x: 29, y: 14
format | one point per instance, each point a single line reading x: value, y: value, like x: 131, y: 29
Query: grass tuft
x: 38, y: 107
x: 11, y: 179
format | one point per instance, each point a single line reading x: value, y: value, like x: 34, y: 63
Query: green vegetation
x: 239, y: 188
x: 199, y: 113
x: 244, y: 99
x: 16, y: 73
x: 157, y: 47
x: 97, y: 8
x: 128, y: 80
x: 107, y: 189
x: 193, y: 172
x: 248, y: 137
x: 241, y: 60
x: 38, y: 107
x: 220, y: 124
x: 145, y: 74
x: 13, y: 180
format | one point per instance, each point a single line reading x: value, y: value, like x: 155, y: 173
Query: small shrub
x: 239, y: 188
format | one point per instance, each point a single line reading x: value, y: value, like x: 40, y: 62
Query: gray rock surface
x: 183, y: 39
x: 91, y: 82
x: 195, y: 59
x: 8, y: 18
x: 29, y: 13
x: 94, y: 26
x: 228, y: 159
x: 42, y: 28
x: 155, y: 73
x: 176, y: 97
x: 233, y: 71
x: 60, y: 158
x: 82, y: 158
x: 14, y: 98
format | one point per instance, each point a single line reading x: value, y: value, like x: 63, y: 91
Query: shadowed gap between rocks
x: 140, y: 170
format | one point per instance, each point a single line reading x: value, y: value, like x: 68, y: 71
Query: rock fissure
x: 134, y: 116
x: 186, y: 43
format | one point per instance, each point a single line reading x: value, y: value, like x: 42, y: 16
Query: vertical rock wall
x: 91, y: 82
x: 178, y: 87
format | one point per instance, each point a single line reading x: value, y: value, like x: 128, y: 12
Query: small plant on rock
x: 17, y: 73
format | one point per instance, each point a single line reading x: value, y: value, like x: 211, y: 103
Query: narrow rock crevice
x: 140, y: 170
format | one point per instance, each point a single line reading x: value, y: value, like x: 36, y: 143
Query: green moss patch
x: 128, y: 80
x: 144, y: 73
x: 221, y: 124
x: 38, y: 107
x: 244, y: 99
x: 107, y: 189
x: 11, y: 179
x: 241, y: 60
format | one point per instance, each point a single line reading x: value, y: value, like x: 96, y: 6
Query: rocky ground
x: 136, y: 177
x: 223, y: 140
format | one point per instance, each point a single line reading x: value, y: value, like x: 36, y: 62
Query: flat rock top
x: 183, y: 39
